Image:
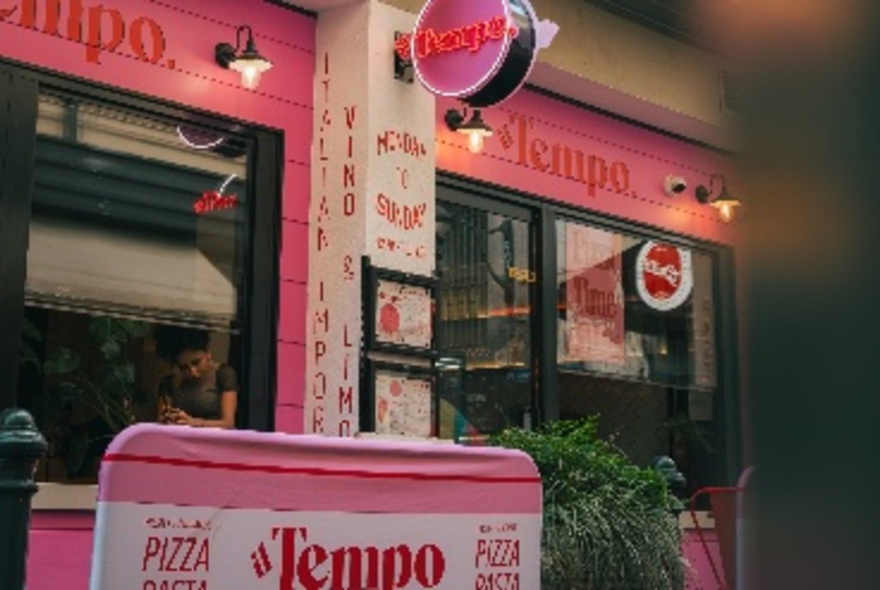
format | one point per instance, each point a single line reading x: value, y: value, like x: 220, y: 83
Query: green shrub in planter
x: 607, y: 522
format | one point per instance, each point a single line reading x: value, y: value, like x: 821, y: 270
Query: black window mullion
x: 544, y: 326
x: 726, y: 344
x: 18, y: 116
x: 261, y: 290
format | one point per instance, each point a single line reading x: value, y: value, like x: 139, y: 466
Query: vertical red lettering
x: 323, y: 240
x: 350, y: 113
x: 74, y: 21
x: 620, y: 177
x: 430, y: 554
x: 320, y: 350
x: 350, y: 146
x: 154, y: 544
x: 539, y: 147
x: 348, y: 268
x: 345, y: 428
x: 323, y: 210
x: 391, y: 577
x: 322, y: 320
x: 597, y: 174
x: 136, y: 39
x: 288, y: 554
x: 28, y: 14
x: 521, y: 125
x: 348, y: 175
x: 96, y: 38
x: 318, y: 419
x: 53, y: 17
x: 319, y: 387
x: 345, y: 340
x: 346, y: 395
x: 482, y: 552
x: 348, y: 207
x: 307, y: 563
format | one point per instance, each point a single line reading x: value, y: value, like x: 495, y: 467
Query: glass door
x: 487, y: 278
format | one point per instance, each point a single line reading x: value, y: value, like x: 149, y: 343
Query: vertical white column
x: 372, y: 191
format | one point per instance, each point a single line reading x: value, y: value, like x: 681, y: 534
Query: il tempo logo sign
x: 479, y: 52
x: 98, y: 27
x: 664, y: 276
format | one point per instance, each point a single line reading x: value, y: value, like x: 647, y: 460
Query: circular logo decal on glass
x: 664, y: 277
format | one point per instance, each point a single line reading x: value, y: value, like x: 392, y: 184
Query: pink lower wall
x: 60, y: 549
x: 165, y: 50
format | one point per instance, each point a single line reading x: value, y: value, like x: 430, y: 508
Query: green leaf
x: 110, y: 349
x: 61, y: 361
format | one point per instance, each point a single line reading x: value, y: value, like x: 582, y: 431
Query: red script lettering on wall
x: 99, y: 28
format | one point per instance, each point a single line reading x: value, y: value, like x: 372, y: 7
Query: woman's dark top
x: 200, y: 398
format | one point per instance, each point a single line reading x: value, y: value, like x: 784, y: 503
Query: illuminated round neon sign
x: 477, y: 51
x: 664, y: 275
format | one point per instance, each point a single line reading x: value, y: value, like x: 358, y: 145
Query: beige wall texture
x: 627, y: 58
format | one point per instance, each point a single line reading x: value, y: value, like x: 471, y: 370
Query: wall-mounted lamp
x: 723, y: 201
x: 476, y: 129
x: 249, y: 63
x: 403, y: 65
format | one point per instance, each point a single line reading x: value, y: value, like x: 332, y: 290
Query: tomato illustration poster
x: 404, y: 315
x: 403, y: 404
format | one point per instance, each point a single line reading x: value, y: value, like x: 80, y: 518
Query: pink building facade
x: 534, y: 248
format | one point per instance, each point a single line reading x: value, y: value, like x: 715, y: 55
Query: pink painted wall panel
x: 291, y: 374
x: 295, y: 252
x: 292, y: 321
x: 630, y: 164
x: 297, y: 189
x: 59, y: 559
x: 289, y: 419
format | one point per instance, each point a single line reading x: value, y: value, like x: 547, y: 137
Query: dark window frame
x: 20, y: 87
x: 544, y: 214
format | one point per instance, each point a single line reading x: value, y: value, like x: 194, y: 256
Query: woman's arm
x: 228, y: 405
x: 163, y: 405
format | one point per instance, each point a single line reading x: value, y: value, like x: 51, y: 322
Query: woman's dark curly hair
x: 172, y: 340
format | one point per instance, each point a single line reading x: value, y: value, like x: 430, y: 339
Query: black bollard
x: 21, y: 446
x: 674, y: 479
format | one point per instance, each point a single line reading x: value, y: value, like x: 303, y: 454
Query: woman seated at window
x: 200, y: 392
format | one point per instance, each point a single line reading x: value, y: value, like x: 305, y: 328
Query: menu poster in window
x: 594, y: 329
x: 403, y: 315
x: 404, y: 403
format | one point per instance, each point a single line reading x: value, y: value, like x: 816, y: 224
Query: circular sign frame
x: 684, y: 275
x: 506, y: 28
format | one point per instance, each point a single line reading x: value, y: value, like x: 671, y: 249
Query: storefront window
x: 136, y: 222
x: 486, y: 277
x: 636, y: 341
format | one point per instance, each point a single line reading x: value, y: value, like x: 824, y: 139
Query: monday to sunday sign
x: 198, y: 509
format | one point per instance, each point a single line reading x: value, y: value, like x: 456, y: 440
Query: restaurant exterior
x: 143, y: 184
x: 366, y: 266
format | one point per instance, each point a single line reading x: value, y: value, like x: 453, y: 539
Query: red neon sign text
x: 214, y: 201
x: 428, y: 42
